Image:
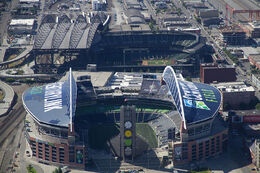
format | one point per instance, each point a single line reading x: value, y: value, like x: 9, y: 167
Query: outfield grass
x: 144, y: 130
x: 158, y: 62
x: 98, y: 135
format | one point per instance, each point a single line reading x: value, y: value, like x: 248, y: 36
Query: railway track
x: 13, y: 119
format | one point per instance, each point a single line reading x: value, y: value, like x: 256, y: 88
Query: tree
x: 257, y: 106
x: 30, y: 169
x: 188, y: 78
x: 179, y: 11
x: 57, y: 170
x: 226, y: 106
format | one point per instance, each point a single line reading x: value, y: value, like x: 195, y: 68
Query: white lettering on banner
x: 191, y: 92
x: 53, y: 97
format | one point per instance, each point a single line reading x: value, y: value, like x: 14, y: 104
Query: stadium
x: 67, y: 118
x: 62, y: 42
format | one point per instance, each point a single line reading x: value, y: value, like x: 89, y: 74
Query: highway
x: 4, y: 75
x: 20, y: 56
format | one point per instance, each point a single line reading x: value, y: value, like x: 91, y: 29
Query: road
x: 6, y: 17
x: 151, y: 10
x: 117, y: 12
x: 10, y: 132
x: 20, y: 56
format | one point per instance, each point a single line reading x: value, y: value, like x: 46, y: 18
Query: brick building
x: 212, y: 72
x: 236, y: 94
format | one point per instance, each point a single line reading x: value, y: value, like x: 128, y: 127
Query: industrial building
x: 254, y: 29
x: 99, y: 5
x: 255, y: 151
x: 35, y: 3
x: 208, y: 13
x: 212, y: 72
x: 134, y: 16
x: 254, y: 59
x: 233, y: 35
x: 248, y: 122
x: 208, y: 17
x: 236, y: 94
x: 22, y: 26
x: 175, y: 21
x: 132, y: 4
x: 255, y: 79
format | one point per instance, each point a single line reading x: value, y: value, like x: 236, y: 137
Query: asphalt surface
x: 6, y: 17
x: 10, y: 131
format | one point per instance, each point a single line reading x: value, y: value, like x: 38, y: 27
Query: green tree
x: 179, y: 11
x: 31, y: 169
x: 188, y: 78
x: 9, y: 80
x: 20, y: 72
x: 226, y: 107
x: 257, y: 106
x: 57, y: 170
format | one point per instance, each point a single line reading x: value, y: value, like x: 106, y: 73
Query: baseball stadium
x: 66, y: 119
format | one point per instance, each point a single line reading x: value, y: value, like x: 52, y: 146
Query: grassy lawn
x: 98, y: 135
x: 16, y: 63
x: 144, y: 130
x: 163, y: 110
x: 11, y: 53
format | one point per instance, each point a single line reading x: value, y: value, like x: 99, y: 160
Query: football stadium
x: 82, y: 111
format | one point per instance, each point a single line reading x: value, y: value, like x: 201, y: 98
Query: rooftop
x: 233, y: 87
x: 28, y: 22
x: 251, y: 126
x: 255, y: 24
x: 233, y: 28
x: 247, y: 112
x: 194, y: 101
x: 129, y: 80
x: 213, y: 65
x: 255, y: 57
x: 53, y: 104
x: 98, y: 79
x: 29, y: 1
x: 251, y: 51
x: 38, y: 133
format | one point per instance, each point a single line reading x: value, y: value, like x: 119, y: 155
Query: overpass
x: 24, y: 54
